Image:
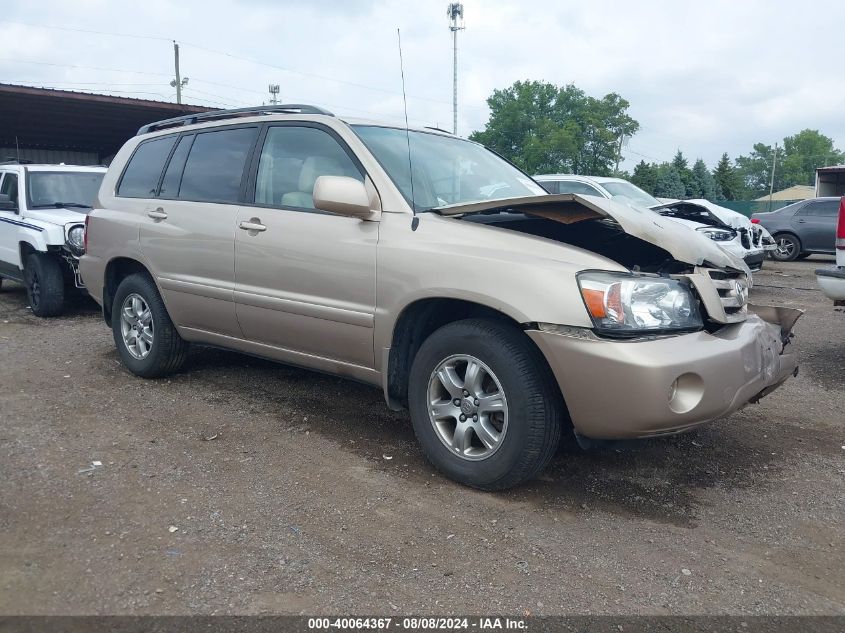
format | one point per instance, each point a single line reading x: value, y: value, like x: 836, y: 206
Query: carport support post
x: 178, y: 79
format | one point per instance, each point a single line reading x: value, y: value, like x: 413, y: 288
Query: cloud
x: 703, y: 77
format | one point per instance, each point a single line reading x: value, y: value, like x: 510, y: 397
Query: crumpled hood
x: 682, y: 242
x: 723, y: 214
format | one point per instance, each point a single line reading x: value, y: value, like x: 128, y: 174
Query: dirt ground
x: 243, y: 486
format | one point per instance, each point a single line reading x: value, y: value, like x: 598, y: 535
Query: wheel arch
x: 116, y: 271
x: 415, y: 323
x: 31, y: 244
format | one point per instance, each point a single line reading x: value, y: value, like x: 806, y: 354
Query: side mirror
x: 6, y: 204
x: 342, y: 195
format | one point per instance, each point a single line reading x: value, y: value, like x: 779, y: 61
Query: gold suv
x: 428, y: 266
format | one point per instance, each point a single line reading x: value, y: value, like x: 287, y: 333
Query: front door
x: 304, y: 278
x: 10, y: 225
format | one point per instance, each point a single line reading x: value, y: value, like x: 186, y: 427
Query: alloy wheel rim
x: 136, y: 326
x: 785, y: 247
x: 34, y: 289
x: 467, y: 407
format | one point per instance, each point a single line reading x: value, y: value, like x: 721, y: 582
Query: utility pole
x: 455, y: 13
x: 619, y: 152
x: 177, y: 83
x: 274, y: 93
x: 772, y: 180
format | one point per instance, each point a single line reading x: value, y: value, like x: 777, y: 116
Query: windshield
x: 447, y: 170
x: 62, y: 188
x: 630, y: 193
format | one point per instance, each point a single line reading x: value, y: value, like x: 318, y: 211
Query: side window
x: 215, y: 165
x: 550, y: 185
x: 173, y: 174
x: 824, y: 208
x: 140, y: 179
x: 10, y: 187
x: 291, y: 161
x: 573, y: 186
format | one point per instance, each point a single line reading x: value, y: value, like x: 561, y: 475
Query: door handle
x: 801, y: 221
x: 158, y: 214
x: 254, y: 224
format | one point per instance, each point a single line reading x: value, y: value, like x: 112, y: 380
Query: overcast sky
x: 705, y: 77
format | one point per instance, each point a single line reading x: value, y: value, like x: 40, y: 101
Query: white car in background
x: 731, y: 230
x: 42, y: 228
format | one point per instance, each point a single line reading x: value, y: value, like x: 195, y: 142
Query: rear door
x: 305, y: 278
x: 815, y: 224
x: 188, y: 228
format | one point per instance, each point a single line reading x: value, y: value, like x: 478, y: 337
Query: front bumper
x: 629, y: 389
x: 754, y: 260
x: 832, y: 282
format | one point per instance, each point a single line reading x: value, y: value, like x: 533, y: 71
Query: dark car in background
x: 803, y: 228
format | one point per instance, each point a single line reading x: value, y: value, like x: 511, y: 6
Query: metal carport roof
x: 44, y: 118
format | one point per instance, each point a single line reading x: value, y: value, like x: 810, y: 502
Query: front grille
x: 733, y: 293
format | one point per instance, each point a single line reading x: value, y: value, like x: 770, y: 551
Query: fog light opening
x: 686, y: 392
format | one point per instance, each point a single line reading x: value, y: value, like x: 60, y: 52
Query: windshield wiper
x: 59, y: 205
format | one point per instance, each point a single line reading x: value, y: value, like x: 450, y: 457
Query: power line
x: 223, y: 53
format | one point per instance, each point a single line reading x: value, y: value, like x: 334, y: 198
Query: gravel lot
x: 242, y: 486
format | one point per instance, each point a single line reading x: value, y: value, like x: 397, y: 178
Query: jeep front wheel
x: 45, y: 285
x: 146, y: 338
x: 484, y: 405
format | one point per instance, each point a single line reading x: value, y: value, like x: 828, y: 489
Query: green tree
x: 703, y: 184
x: 755, y: 171
x: 728, y: 181
x: 682, y: 166
x: 802, y: 154
x: 669, y: 183
x: 544, y: 128
x: 645, y: 176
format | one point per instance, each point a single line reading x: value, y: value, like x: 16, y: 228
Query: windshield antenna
x: 407, y: 129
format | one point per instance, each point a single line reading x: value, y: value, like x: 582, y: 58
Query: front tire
x: 146, y: 338
x: 484, y: 405
x: 788, y: 247
x: 45, y: 285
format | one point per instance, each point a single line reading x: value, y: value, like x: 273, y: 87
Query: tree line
x: 544, y: 128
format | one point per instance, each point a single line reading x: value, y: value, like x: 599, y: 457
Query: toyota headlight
x: 627, y: 305
x: 718, y: 235
x: 76, y: 239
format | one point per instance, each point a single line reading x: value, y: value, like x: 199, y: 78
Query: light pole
x: 455, y: 13
x: 274, y: 93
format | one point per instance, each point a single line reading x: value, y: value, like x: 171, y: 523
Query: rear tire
x: 508, y: 364
x: 45, y: 285
x: 788, y: 247
x: 146, y: 338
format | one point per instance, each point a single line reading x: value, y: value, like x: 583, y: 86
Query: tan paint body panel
x: 325, y: 291
x: 621, y: 389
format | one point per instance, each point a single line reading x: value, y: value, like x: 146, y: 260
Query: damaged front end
x: 662, y: 381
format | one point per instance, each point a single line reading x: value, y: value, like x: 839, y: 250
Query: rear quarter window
x: 140, y: 179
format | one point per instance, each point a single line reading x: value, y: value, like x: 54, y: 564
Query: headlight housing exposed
x: 718, y: 235
x: 630, y: 305
x: 76, y: 239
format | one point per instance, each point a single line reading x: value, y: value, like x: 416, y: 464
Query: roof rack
x: 214, y: 115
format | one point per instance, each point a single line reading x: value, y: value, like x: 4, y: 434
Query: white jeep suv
x: 42, y: 217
